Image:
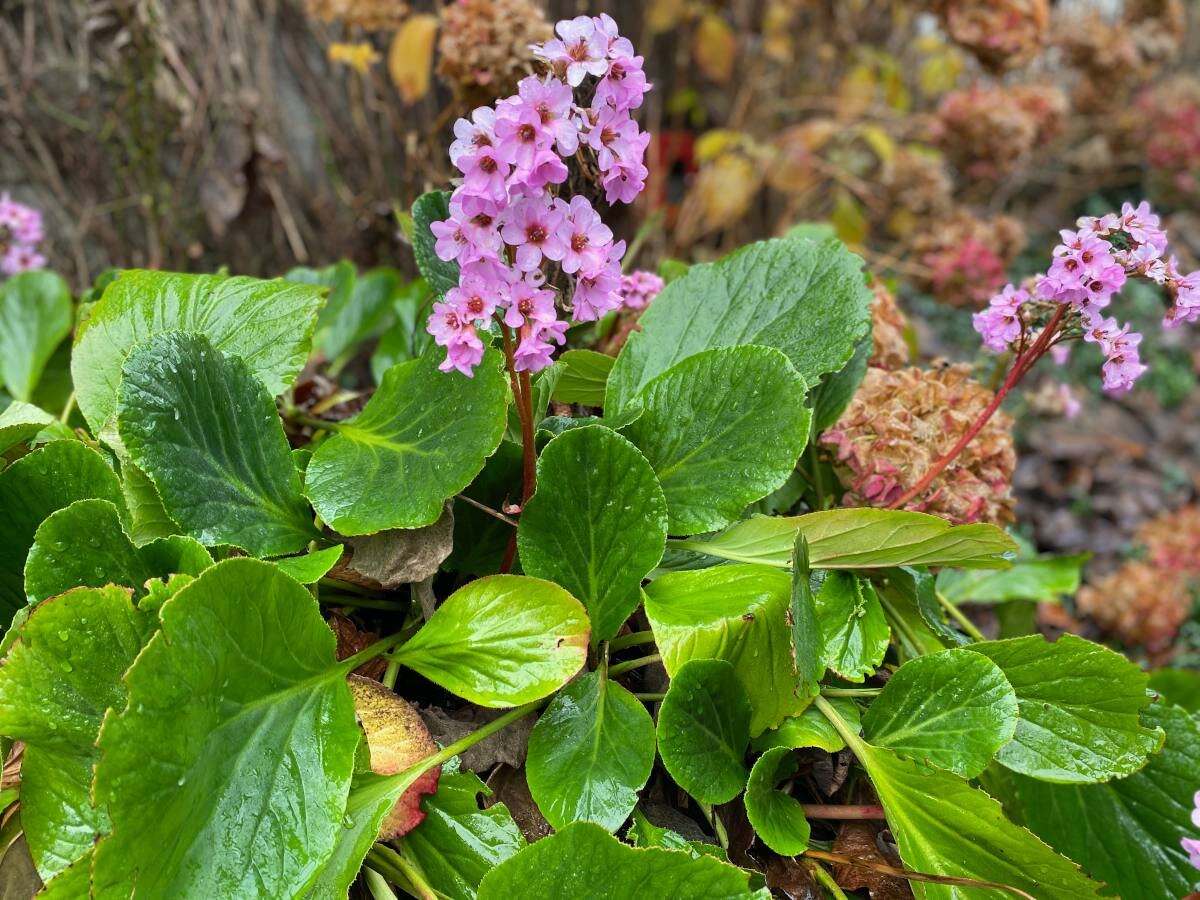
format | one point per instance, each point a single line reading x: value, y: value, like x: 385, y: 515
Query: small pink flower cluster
x: 506, y: 221
x: 638, y: 288
x: 1191, y: 846
x: 1089, y: 267
x: 20, y: 233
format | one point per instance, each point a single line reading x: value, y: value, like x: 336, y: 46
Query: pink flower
x: 553, y: 102
x: 582, y: 50
x: 21, y: 258
x: 639, y: 288
x: 586, y: 237
x: 1141, y: 224
x: 1000, y: 323
x: 599, y: 292
x: 616, y: 139
x: 520, y: 135
x: 622, y: 184
x: 1123, y: 366
x: 471, y: 232
x: 463, y: 355
x: 486, y: 171
x: 624, y: 85
x: 533, y: 352
x: 470, y: 135
x: 1070, y: 403
x: 547, y: 168
x: 532, y: 225
x: 476, y: 296
x: 529, y: 303
x: 1191, y: 846
x: 464, y: 349
x: 1185, y: 291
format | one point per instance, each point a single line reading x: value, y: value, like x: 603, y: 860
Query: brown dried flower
x: 899, y: 423
x: 371, y: 15
x: 1003, y: 34
x: 484, y: 46
x: 967, y: 255
x: 888, y: 325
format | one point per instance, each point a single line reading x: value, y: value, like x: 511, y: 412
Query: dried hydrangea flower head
x: 899, y: 423
x: 370, y: 15
x: 1002, y: 34
x: 517, y: 239
x: 888, y: 326
x: 21, y: 230
x: 484, y: 47
x: 967, y: 254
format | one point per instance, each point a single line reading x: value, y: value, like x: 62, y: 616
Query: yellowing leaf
x: 360, y: 57
x: 663, y: 15
x: 713, y: 143
x: 725, y: 189
x: 410, y: 58
x: 714, y: 47
x: 848, y: 219
x: 880, y: 141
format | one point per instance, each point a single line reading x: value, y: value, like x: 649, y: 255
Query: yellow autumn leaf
x: 713, y: 143
x: 663, y: 15
x: 847, y: 218
x: 879, y: 140
x: 725, y: 189
x: 714, y: 47
x: 410, y: 58
x: 360, y: 57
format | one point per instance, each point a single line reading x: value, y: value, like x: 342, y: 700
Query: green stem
x: 897, y: 622
x: 960, y: 617
x: 632, y: 664
x: 314, y: 423
x: 818, y: 872
x: 362, y: 602
x: 717, y: 825
x: 849, y: 735
x: 377, y: 884
x: 851, y: 692
x: 625, y: 641
x: 650, y: 698
x: 68, y: 408
x: 389, y: 675
x: 381, y: 646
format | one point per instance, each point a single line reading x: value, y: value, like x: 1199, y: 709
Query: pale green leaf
x: 583, y: 377
x: 853, y: 627
x: 35, y: 315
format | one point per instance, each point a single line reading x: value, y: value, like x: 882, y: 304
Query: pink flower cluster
x: 1090, y: 266
x: 638, y: 288
x: 507, y: 223
x: 1191, y: 846
x: 20, y: 233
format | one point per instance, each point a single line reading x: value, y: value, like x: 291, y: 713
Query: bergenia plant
x: 21, y: 231
x: 265, y: 612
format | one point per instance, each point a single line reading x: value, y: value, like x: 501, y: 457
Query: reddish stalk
x: 523, y: 397
x: 841, y: 811
x: 1020, y: 367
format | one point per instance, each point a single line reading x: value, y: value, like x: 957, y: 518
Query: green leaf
x: 458, y: 843
x: 952, y: 709
x: 703, y: 729
x: 585, y: 862
x: 1127, y: 832
x: 35, y: 315
x: 853, y: 626
x: 432, y: 207
x: 831, y: 397
x: 596, y: 525
x: 21, y: 422
x: 811, y: 729
x: 861, y: 539
x: 206, y: 432
x: 149, y: 521
x: 366, y: 808
x: 85, y: 544
x: 421, y: 438
x: 240, y: 736
x: 311, y: 567
x: 584, y: 376
x: 407, y: 338
x: 480, y: 539
x: 777, y: 816
x: 269, y: 324
x: 738, y: 614
x: 910, y: 588
x: 805, y: 298
x: 501, y: 641
x: 590, y: 753
x: 30, y: 490
x: 1179, y: 686
x: 342, y: 328
x: 60, y: 676
x: 944, y: 826
x: 1079, y: 709
x: 808, y: 643
x: 1045, y: 578
x: 722, y: 429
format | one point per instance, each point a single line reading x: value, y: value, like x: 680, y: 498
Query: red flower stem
x: 1020, y: 367
x: 840, y: 811
x: 523, y: 398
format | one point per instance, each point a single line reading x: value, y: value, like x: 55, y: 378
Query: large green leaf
x: 148, y: 520
x: 861, y: 539
x: 703, y: 729
x: 1042, y: 578
x: 85, y: 545
x: 738, y: 614
x: 458, y: 843
x: 1127, y: 831
x: 406, y: 338
x: 854, y: 629
x: 31, y: 489
x: 596, y: 525
x: 432, y: 207
x: 808, y: 643
x: 21, y: 422
x: 721, y: 429
x: 1079, y: 709
x: 357, y: 307
x: 811, y: 729
x: 60, y: 676
x: 944, y: 826
x: 805, y: 298
x: 952, y: 709
x: 776, y: 815
x: 585, y: 862
x: 310, y: 568
x: 206, y: 432
x: 239, y: 736
x: 366, y: 808
x: 421, y: 438
x: 501, y: 641
x: 35, y: 315
x: 269, y: 324
x: 583, y: 377
x: 590, y: 753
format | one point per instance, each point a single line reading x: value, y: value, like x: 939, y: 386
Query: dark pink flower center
x: 579, y: 241
x: 526, y: 133
x: 535, y: 234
